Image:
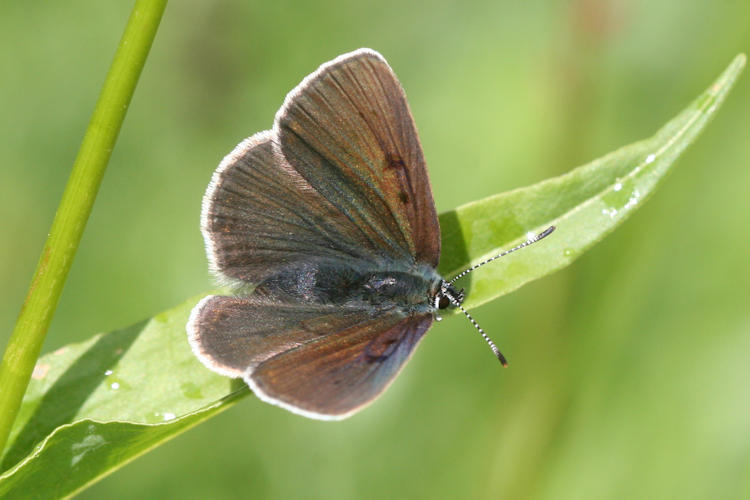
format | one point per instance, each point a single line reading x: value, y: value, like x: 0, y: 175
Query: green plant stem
x: 74, y: 209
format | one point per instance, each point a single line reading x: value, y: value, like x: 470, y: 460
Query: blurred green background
x: 629, y: 370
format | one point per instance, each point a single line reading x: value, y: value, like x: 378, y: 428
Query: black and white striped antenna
x: 526, y: 243
x: 456, y: 302
x: 487, y: 339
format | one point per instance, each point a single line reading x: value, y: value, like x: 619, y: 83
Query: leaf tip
x: 738, y: 63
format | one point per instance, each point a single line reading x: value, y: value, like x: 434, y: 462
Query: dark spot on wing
x: 395, y: 162
x: 403, y: 197
x: 380, y: 349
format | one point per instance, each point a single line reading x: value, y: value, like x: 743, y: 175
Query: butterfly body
x: 380, y: 286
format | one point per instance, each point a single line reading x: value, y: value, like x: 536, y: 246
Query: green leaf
x: 92, y: 407
x: 585, y: 204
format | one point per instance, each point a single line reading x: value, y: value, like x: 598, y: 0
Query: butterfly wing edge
x: 208, y: 200
x: 194, y: 339
x: 297, y: 91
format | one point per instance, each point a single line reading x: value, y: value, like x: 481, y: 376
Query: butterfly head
x: 447, y: 296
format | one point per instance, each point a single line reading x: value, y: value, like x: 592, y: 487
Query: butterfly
x: 326, y: 228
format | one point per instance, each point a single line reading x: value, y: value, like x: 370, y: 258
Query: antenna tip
x: 546, y: 232
x: 502, y: 359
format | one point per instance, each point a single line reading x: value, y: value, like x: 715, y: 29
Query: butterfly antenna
x: 489, y: 341
x: 526, y: 243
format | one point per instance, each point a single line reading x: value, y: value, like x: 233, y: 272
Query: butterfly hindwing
x: 334, y: 378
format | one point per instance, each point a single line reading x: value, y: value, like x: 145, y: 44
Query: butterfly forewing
x: 347, y: 129
x: 260, y: 217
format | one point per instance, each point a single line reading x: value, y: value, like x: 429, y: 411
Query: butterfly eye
x: 444, y: 302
